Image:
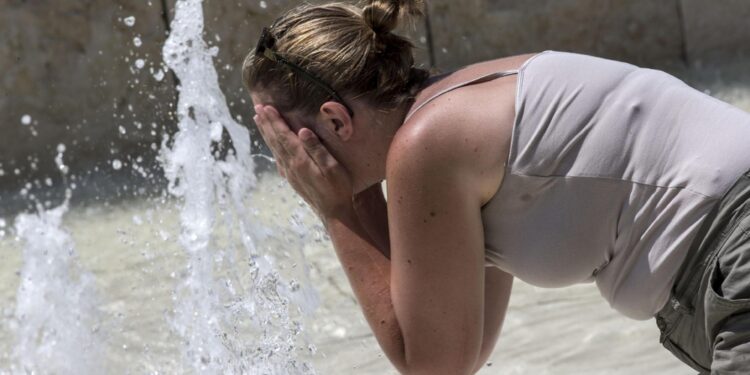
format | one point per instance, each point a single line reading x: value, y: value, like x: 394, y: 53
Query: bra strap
x: 482, y: 79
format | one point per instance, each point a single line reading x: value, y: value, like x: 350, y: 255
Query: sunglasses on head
x: 265, y: 49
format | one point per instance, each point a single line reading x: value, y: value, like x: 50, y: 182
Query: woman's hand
x: 308, y: 166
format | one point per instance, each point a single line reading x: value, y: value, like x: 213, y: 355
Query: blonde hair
x: 352, y: 49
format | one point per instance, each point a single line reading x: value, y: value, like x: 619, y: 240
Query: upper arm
x: 437, y: 254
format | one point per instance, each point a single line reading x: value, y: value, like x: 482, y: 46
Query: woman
x: 555, y: 168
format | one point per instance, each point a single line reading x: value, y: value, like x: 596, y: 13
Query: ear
x: 335, y: 118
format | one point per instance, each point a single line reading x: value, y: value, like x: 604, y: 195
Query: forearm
x: 496, y: 298
x: 368, y: 271
x: 484, y: 355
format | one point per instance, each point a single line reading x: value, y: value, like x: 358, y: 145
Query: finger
x: 271, y: 137
x: 280, y: 169
x: 263, y: 129
x: 260, y: 127
x: 259, y: 120
x: 280, y: 155
x: 284, y: 134
x: 276, y: 122
x: 317, y: 151
x: 293, y: 157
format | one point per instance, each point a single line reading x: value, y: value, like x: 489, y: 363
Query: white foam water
x: 56, y: 322
x: 232, y: 312
x: 231, y: 319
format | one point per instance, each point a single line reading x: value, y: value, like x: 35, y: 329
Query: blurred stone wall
x: 88, y: 73
x: 71, y: 75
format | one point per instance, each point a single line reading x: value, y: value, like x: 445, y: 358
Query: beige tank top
x: 611, y: 170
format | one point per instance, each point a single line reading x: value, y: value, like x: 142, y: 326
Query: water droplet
x: 129, y: 21
x: 159, y: 75
x: 26, y: 119
x: 137, y: 42
x: 2, y: 223
x: 339, y: 332
x: 116, y: 164
x: 294, y: 286
x: 48, y: 181
x: 61, y: 148
x: 122, y: 129
x: 139, y: 63
x: 263, y: 4
x: 216, y: 131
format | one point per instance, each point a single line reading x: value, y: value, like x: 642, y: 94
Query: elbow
x: 458, y: 355
x: 440, y: 365
x: 439, y: 370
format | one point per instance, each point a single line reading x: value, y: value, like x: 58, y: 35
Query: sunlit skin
x: 415, y: 262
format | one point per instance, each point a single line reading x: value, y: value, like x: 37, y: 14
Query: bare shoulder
x: 465, y: 131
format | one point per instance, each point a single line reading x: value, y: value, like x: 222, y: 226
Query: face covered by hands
x: 306, y: 163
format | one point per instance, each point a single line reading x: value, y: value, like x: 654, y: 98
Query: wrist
x: 344, y: 214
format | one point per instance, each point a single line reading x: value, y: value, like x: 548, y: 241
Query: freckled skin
x: 427, y: 293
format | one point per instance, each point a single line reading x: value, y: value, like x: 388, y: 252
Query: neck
x: 387, y: 123
x: 380, y: 126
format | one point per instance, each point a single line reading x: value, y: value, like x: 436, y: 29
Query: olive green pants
x: 706, y: 322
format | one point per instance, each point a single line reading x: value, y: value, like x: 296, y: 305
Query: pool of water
x: 131, y: 252
x: 130, y: 249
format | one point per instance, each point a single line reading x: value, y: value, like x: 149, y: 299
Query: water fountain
x: 209, y: 308
x: 213, y: 274
x: 232, y: 313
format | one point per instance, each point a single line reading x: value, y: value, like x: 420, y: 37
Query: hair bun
x: 383, y: 15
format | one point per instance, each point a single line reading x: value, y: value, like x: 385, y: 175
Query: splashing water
x: 231, y: 319
x: 56, y: 322
x: 232, y: 311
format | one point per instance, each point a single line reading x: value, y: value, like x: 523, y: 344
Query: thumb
x: 315, y: 149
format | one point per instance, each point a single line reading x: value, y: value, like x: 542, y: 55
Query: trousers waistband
x: 703, y: 250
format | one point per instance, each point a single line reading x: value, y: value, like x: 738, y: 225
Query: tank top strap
x: 481, y: 79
